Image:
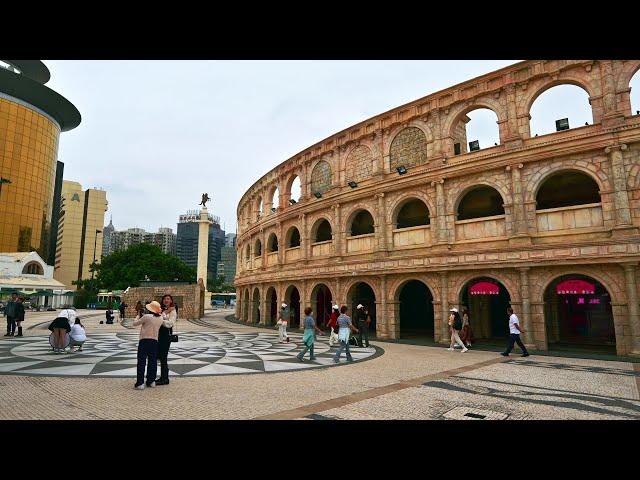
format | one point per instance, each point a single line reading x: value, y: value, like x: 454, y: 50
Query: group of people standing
x: 14, y: 311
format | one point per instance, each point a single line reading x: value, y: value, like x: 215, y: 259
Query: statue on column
x: 205, y: 199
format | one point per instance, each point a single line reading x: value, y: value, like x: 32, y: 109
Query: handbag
x: 173, y: 337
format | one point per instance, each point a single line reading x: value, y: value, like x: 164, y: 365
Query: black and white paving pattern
x: 196, y: 353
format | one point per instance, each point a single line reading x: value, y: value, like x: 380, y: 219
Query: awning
x: 484, y: 288
x: 577, y: 286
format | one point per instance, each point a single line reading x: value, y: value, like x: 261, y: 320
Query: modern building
x: 79, y: 232
x: 227, y: 264
x: 163, y: 238
x: 29, y: 275
x: 55, y: 216
x: 396, y: 215
x: 31, y: 119
x: 230, y: 240
x: 123, y: 239
x: 106, y: 238
x: 114, y: 240
x: 187, y: 241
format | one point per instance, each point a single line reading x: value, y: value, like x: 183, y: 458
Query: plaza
x: 390, y: 381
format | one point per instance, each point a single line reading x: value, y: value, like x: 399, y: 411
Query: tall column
x: 281, y: 243
x: 444, y: 305
x: 203, y: 245
x: 621, y: 198
x: 529, y: 337
x: 339, y: 234
x: 441, y: 218
x: 304, y: 182
x: 382, y: 321
x: 632, y: 304
x: 263, y: 307
x: 263, y: 242
x: 519, y: 213
x: 304, y: 237
x: 382, y: 222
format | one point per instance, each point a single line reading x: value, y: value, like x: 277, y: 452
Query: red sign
x: 484, y: 288
x: 569, y: 287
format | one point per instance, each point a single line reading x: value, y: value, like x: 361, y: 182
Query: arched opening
x: 321, y: 177
x: 321, y: 303
x: 635, y: 93
x: 295, y: 190
x: 259, y: 207
x: 415, y: 310
x: 413, y: 213
x: 362, y: 293
x: 578, y: 315
x: 479, y: 202
x: 245, y: 306
x: 476, y: 130
x: 33, y: 268
x: 256, y: 306
x: 275, y: 200
x: 568, y: 188
x: 292, y: 299
x: 257, y: 249
x: 557, y: 103
x: 486, y: 300
x: 323, y: 232
x: 408, y: 149
x: 293, y: 238
x: 247, y: 253
x: 272, y: 306
x: 362, y: 224
x: 272, y: 243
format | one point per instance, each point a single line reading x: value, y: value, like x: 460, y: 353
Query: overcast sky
x: 157, y: 134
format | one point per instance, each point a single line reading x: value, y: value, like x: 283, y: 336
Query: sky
x: 157, y: 134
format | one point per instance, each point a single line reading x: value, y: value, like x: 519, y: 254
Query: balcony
x: 361, y: 243
x: 257, y: 262
x: 569, y: 218
x: 320, y: 249
x: 292, y: 254
x: 272, y: 259
x: 407, y: 237
x: 481, y: 228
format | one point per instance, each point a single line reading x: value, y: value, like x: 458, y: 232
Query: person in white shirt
x: 514, y: 334
x: 77, y: 336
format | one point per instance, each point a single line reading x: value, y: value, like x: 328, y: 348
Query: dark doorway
x: 578, y: 314
x: 292, y: 299
x: 362, y: 293
x: 416, y: 311
x: 487, y: 300
x: 272, y: 306
x: 321, y: 296
x: 256, y: 306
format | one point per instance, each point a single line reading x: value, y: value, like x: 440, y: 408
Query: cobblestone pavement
x: 405, y: 382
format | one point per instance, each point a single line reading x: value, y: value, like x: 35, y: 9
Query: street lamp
x: 95, y: 242
x: 2, y: 182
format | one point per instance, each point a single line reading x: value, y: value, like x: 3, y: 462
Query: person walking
x: 345, y: 326
x: 148, y: 344
x: 283, y: 321
x: 169, y: 318
x: 467, y: 334
x: 77, y: 336
x: 363, y: 318
x: 333, y: 326
x: 19, y: 316
x: 308, y: 337
x: 10, y: 313
x: 514, y: 334
x: 122, y: 307
x: 455, y: 325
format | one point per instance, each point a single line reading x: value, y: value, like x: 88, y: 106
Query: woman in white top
x: 77, y: 336
x: 169, y: 317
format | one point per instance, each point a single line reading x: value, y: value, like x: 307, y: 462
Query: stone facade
x: 189, y: 298
x: 523, y: 247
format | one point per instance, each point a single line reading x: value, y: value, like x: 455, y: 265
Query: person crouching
x: 148, y: 344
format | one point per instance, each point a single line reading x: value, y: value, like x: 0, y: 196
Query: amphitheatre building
x: 405, y: 214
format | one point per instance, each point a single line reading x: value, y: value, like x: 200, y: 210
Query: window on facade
x: 635, y: 93
x: 362, y: 224
x: 33, y: 268
x: 323, y: 233
x: 272, y: 245
x: 557, y: 103
x: 294, y: 238
x: 482, y: 201
x: 478, y: 125
x: 257, y: 251
x: 565, y: 189
x: 412, y: 214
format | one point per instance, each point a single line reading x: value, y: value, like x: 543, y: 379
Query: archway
x: 362, y: 224
x: 476, y: 130
x: 275, y: 200
x: 479, y: 202
x: 272, y: 243
x: 272, y: 306
x: 321, y: 303
x: 635, y: 93
x: 486, y: 300
x: 362, y: 293
x: 322, y: 231
x: 415, y: 310
x: 578, y: 314
x: 292, y: 299
x: 293, y: 237
x: 566, y: 189
x: 412, y: 213
x: 245, y: 306
x: 559, y: 102
x: 255, y: 305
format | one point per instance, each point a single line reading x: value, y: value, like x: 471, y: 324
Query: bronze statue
x: 205, y: 199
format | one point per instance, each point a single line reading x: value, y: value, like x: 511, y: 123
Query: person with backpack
x: 333, y: 326
x: 345, y: 326
x: 363, y: 318
x: 285, y: 315
x: 455, y: 325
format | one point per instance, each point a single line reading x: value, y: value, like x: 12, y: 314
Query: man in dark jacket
x: 11, y: 311
x: 362, y: 317
x: 122, y: 309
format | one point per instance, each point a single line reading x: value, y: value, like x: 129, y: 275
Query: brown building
x: 31, y: 119
x: 396, y: 214
x: 79, y: 232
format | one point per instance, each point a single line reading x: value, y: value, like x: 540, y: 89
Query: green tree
x: 126, y: 268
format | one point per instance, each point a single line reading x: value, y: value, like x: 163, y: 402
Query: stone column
x: 383, y: 318
x: 382, y: 222
x: 281, y: 243
x: 444, y: 305
x: 263, y: 306
x: 263, y: 242
x: 441, y: 233
x: 621, y: 198
x: 203, y: 245
x: 304, y: 238
x: 338, y: 231
x: 304, y: 182
x: 632, y: 303
x: 526, y: 308
x: 519, y: 214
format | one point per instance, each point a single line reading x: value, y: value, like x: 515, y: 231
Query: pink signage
x: 569, y: 287
x: 484, y: 288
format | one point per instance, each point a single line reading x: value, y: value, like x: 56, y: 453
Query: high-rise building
x: 163, y: 238
x: 55, y: 216
x: 31, y: 119
x: 227, y: 264
x: 230, y: 240
x: 106, y: 238
x: 121, y: 240
x: 79, y: 232
x: 187, y: 241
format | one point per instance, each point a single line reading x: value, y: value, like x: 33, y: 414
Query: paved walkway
x: 405, y: 382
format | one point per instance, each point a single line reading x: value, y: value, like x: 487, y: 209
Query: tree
x: 126, y: 268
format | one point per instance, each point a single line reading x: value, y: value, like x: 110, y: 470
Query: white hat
x: 69, y: 314
x: 284, y: 305
x: 336, y: 307
x: 359, y: 305
x: 454, y: 309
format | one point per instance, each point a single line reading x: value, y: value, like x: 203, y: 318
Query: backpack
x: 457, y: 322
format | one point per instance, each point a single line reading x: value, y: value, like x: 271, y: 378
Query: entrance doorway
x: 362, y: 293
x: 321, y: 304
x: 416, y: 311
x: 245, y: 306
x: 272, y: 306
x: 256, y: 306
x: 292, y: 299
x: 486, y: 300
x: 578, y: 314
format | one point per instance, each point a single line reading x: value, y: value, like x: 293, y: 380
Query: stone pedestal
x: 203, y: 246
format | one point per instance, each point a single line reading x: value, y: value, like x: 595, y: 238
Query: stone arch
x: 257, y: 248
x: 408, y: 147
x: 246, y: 305
x: 33, y: 268
x: 321, y: 177
x: 272, y: 243
x: 509, y: 284
x: 456, y: 191
x: 290, y: 235
x: 626, y: 73
x: 397, y: 202
x: 542, y: 172
x: 274, y: 201
x: 360, y: 222
x: 398, y: 205
x: 394, y: 285
x: 271, y: 304
x: 463, y: 195
x: 415, y: 309
x: 293, y: 298
x: 259, y: 206
x: 255, y: 305
x: 548, y: 84
x: 320, y: 299
x: 318, y: 223
x: 585, y: 190
x: 350, y: 282
x: 359, y: 164
x: 247, y: 252
x: 544, y: 278
x: 457, y: 113
x: 286, y: 191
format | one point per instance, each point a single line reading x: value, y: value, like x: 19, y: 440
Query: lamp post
x: 95, y: 242
x: 2, y: 182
